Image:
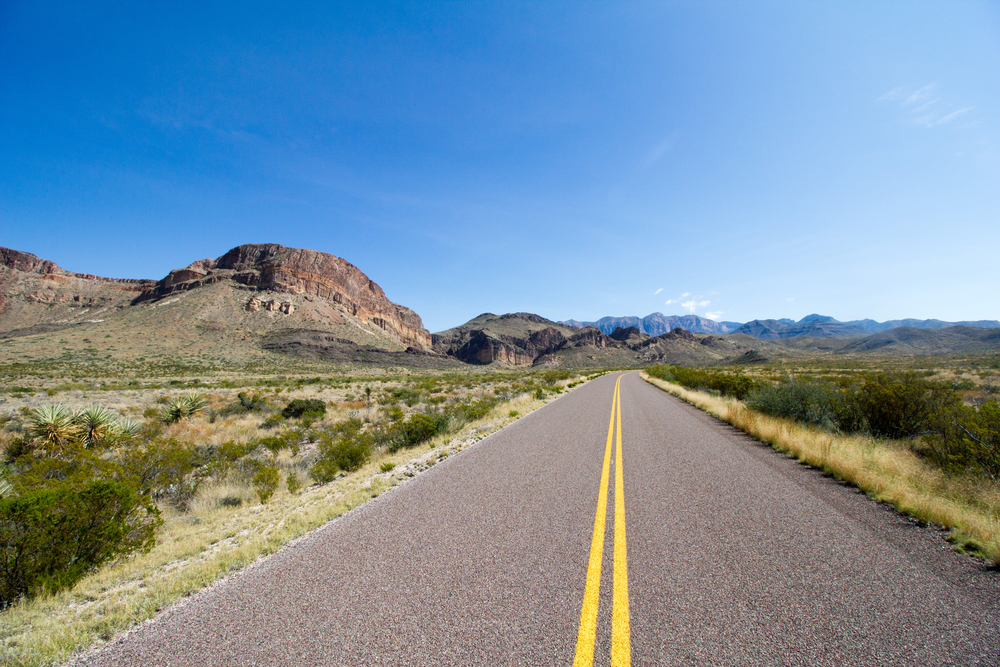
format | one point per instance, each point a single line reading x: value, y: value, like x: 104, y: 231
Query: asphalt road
x: 734, y: 555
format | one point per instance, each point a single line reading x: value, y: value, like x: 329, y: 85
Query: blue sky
x: 735, y: 159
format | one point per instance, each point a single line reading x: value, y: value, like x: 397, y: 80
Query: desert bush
x: 901, y: 405
x: 401, y: 394
x: 251, y: 403
x: 163, y: 470
x: 342, y: 447
x: 51, y: 537
x: 293, y: 483
x: 736, y: 385
x: 968, y: 438
x: 287, y: 440
x: 265, y: 482
x: 299, y: 407
x: 471, y: 410
x: 805, y: 402
x: 418, y: 428
x: 18, y: 447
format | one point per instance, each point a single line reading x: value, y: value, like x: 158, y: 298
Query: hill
x: 823, y: 326
x: 252, y: 299
x: 520, y: 339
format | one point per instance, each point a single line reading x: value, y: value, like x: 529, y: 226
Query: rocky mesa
x: 275, y: 268
x: 304, y: 289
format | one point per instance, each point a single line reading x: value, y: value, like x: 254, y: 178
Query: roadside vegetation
x: 112, y: 510
x: 929, y: 447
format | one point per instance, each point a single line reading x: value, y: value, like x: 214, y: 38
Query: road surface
x: 535, y: 547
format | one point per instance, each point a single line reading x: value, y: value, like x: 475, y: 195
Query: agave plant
x: 97, y: 425
x: 53, y: 425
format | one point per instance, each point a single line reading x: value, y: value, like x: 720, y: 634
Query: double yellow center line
x: 621, y: 650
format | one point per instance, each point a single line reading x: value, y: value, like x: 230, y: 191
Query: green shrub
x: 901, y: 405
x: 968, y: 438
x: 304, y: 406
x: 266, y: 481
x: 162, y: 471
x: 51, y: 537
x: 402, y: 394
x: 342, y: 447
x: 273, y: 420
x: 394, y: 413
x: 293, y: 483
x: 251, y: 403
x: 804, y: 402
x: 324, y: 470
x: 468, y: 411
x: 387, y: 466
x: 275, y: 443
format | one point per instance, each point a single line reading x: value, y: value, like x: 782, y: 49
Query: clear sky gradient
x: 735, y: 159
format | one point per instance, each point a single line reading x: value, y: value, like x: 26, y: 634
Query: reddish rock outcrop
x: 273, y: 267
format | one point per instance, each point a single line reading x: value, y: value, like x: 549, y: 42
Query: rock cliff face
x: 36, y: 293
x: 275, y: 268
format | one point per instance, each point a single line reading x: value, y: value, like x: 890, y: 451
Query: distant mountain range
x: 658, y: 323
x: 818, y: 326
x: 260, y: 304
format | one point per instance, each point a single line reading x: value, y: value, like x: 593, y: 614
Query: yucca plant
x: 128, y: 428
x: 184, y: 407
x: 195, y: 403
x: 53, y: 426
x: 98, y: 425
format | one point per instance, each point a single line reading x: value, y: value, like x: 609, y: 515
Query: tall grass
x: 883, y: 469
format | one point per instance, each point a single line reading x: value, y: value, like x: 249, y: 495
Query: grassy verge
x: 197, y: 549
x: 885, y: 470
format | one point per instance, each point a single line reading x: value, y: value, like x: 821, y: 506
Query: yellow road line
x: 621, y: 649
x: 587, y: 635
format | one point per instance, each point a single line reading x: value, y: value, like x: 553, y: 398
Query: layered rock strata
x: 275, y: 268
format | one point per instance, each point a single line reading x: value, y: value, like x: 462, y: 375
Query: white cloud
x: 924, y: 107
x: 689, y: 306
x: 950, y: 117
x: 714, y: 316
x: 703, y: 304
x: 686, y: 294
x: 668, y: 302
x: 921, y: 95
x: 657, y: 291
x: 790, y: 299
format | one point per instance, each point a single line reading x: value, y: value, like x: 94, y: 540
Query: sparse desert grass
x: 226, y: 528
x: 885, y: 470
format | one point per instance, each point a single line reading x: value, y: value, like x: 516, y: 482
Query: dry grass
x: 885, y: 470
x: 197, y: 548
